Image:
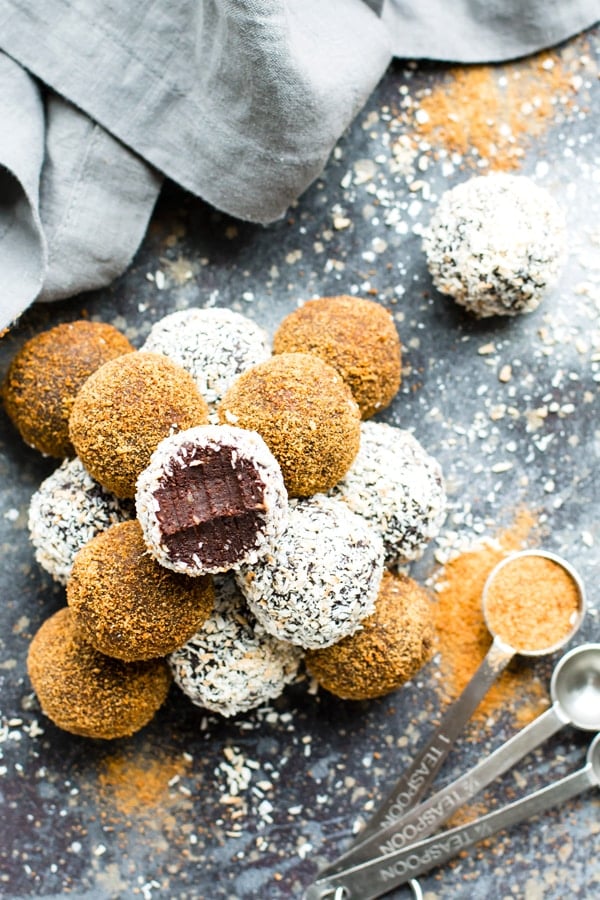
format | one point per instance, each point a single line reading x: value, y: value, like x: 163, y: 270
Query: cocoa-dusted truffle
x: 355, y: 336
x: 47, y: 372
x: 496, y: 244
x: 390, y: 647
x: 211, y: 498
x: 124, y: 410
x: 232, y: 665
x: 306, y: 414
x: 68, y: 509
x: 322, y: 578
x: 127, y: 605
x: 214, y: 345
x: 398, y: 487
x: 87, y: 693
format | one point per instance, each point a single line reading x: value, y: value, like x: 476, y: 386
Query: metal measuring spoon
x: 416, y: 779
x: 380, y: 875
x: 575, y: 692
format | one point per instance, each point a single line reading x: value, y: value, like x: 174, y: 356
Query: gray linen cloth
x: 238, y: 101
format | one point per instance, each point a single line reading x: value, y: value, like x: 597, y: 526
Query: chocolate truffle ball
x: 124, y: 410
x: 214, y: 345
x: 87, y: 693
x: 496, y: 244
x: 388, y: 650
x: 398, y: 488
x: 68, y: 510
x: 128, y: 606
x: 355, y: 336
x: 321, y: 580
x: 232, y: 665
x: 45, y: 375
x: 211, y: 498
x: 306, y: 414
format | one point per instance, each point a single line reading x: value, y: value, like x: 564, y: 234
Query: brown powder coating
x: 45, y: 375
x: 306, y: 415
x: 125, y: 409
x: 87, y: 693
x: 215, y: 501
x: 127, y: 605
x: 389, y: 649
x: 355, y: 336
x: 532, y: 603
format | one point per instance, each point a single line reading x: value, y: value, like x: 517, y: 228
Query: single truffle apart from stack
x: 124, y: 410
x: 306, y: 414
x: 128, y: 606
x: 214, y: 345
x: 398, y: 488
x: 322, y: 578
x: 211, y: 499
x: 87, y: 693
x: 68, y: 510
x: 355, y: 336
x: 232, y: 665
x: 496, y: 244
x: 388, y: 650
x: 47, y: 372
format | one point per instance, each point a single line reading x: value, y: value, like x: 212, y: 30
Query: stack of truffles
x: 224, y: 510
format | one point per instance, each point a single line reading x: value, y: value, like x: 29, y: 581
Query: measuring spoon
x: 575, y: 692
x: 416, y: 779
x: 380, y: 875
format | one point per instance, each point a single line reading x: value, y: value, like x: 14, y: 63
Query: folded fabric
x: 238, y: 101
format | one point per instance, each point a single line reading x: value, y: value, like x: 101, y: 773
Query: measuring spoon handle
x: 380, y: 875
x: 416, y: 779
x: 424, y: 819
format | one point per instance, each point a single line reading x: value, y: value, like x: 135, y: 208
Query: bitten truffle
x: 321, y: 580
x: 127, y: 605
x: 388, y: 650
x: 355, y: 336
x: 306, y: 415
x: 124, y: 410
x: 45, y: 375
x: 232, y: 665
x: 496, y: 244
x: 211, y: 498
x: 68, y: 510
x: 398, y: 488
x: 87, y: 693
x: 214, y: 345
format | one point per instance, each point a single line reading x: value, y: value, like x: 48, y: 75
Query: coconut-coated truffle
x: 127, y: 605
x: 306, y: 415
x: 47, y: 372
x: 211, y: 498
x: 232, y: 665
x: 390, y: 647
x: 87, y: 693
x: 496, y: 244
x: 355, y: 336
x: 398, y: 488
x: 214, y: 345
x: 322, y: 578
x: 68, y: 509
x: 124, y: 409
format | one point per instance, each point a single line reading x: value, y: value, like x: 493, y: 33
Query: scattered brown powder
x: 136, y: 783
x: 462, y: 636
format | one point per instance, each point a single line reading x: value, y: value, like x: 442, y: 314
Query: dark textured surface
x: 509, y: 407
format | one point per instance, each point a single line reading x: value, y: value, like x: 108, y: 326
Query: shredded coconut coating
x: 68, y: 510
x: 214, y: 345
x: 177, y: 450
x: 398, y: 488
x: 232, y: 664
x: 322, y: 578
x: 496, y: 244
